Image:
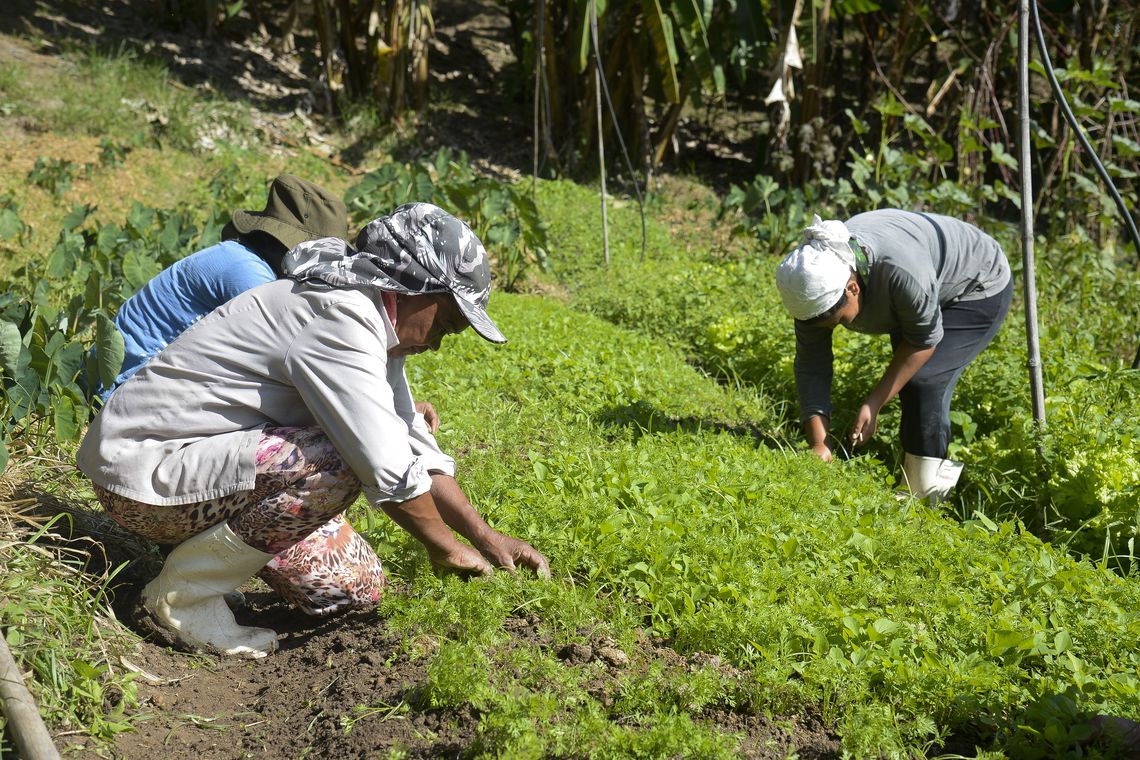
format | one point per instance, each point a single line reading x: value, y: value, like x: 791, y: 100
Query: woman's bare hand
x: 430, y: 415
x: 510, y: 553
x: 866, y: 424
x: 822, y: 451
x: 460, y: 558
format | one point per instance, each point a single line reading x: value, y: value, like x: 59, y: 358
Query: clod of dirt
x: 576, y: 654
x: 613, y: 656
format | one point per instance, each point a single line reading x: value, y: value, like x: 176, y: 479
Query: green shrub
x: 502, y: 215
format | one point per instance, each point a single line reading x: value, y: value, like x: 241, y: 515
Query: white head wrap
x: 811, y: 278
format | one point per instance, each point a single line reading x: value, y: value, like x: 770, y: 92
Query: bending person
x: 253, y: 245
x: 939, y: 287
x: 257, y: 427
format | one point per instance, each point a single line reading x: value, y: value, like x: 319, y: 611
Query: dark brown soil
x: 336, y: 688
x: 347, y: 687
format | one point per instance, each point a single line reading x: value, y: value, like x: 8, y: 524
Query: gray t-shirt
x: 918, y: 264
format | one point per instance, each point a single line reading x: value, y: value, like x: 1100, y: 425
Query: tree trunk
x: 356, y: 76
x: 328, y: 50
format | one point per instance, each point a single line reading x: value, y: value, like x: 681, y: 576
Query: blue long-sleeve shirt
x: 179, y: 296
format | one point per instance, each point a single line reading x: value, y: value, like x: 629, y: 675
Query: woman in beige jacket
x: 246, y: 439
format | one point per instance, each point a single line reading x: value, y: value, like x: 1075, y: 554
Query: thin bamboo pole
x: 24, y: 722
x: 1036, y: 383
x: 539, y: 23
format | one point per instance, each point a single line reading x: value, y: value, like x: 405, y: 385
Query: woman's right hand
x: 822, y: 451
x: 460, y: 558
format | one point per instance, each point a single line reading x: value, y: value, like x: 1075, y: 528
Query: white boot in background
x: 931, y: 478
x: 188, y: 596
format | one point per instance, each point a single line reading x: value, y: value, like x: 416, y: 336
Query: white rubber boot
x: 188, y: 596
x: 931, y: 478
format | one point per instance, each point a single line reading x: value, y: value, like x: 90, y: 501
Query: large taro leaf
x: 13, y: 353
x: 110, y: 350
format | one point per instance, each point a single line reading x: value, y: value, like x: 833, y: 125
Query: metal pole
x: 601, y: 142
x: 1036, y: 384
x: 539, y: 37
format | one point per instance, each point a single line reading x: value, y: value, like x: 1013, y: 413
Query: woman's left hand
x: 431, y: 417
x: 509, y: 552
x: 866, y: 423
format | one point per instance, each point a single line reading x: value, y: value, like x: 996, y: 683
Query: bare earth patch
x: 348, y: 687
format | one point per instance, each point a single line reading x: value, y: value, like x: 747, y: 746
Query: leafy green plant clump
x: 503, y: 215
x: 671, y: 513
x: 722, y: 310
x: 53, y: 623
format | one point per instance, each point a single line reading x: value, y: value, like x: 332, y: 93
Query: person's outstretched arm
x: 420, y: 517
x: 906, y: 361
x: 502, y: 550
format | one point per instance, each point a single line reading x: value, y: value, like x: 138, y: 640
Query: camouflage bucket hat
x: 418, y: 249
x: 296, y: 211
x: 423, y: 247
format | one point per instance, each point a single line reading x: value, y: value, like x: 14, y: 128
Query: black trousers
x: 968, y: 327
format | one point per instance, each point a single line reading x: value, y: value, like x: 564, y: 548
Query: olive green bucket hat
x: 296, y: 211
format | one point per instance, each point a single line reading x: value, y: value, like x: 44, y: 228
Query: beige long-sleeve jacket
x: 185, y: 428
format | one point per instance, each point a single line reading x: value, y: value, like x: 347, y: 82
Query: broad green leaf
x: 885, y: 626
x: 108, y: 237
x: 11, y: 349
x: 77, y: 216
x: 3, y: 456
x: 1088, y: 185
x: 140, y: 219
x: 10, y: 224
x: 23, y: 395
x: 86, y: 670
x: 93, y: 292
x: 889, y: 105
x: 660, y: 27
x: 62, y: 259
x: 1125, y: 148
x: 66, y: 418
x: 139, y: 268
x: 110, y: 350
x: 69, y: 361
x: 1123, y: 105
x: 171, y: 235
x: 997, y: 150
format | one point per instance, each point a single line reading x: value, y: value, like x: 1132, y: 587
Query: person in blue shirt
x: 253, y: 245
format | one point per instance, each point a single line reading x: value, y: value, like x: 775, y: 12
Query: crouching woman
x: 245, y: 440
x: 938, y: 286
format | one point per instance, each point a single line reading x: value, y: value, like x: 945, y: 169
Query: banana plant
x: 658, y: 57
x: 375, y: 50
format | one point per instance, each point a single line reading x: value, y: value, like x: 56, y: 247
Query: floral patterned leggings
x: 321, y: 565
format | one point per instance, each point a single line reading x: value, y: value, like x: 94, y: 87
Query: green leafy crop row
x: 1073, y: 483
x: 671, y: 513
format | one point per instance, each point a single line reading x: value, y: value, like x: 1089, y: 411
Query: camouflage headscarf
x: 418, y: 249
